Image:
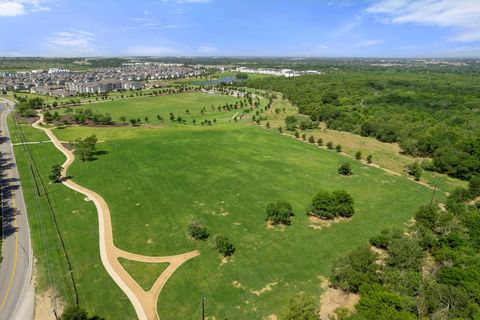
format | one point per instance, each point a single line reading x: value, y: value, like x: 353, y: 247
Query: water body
x: 228, y: 79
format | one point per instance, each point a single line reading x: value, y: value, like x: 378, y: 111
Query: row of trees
x: 429, y: 115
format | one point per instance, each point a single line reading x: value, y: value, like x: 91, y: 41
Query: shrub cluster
x: 326, y: 205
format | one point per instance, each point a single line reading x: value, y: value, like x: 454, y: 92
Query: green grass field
x: 156, y: 180
x: 178, y: 104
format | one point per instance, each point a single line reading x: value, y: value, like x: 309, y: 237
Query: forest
x: 431, y: 114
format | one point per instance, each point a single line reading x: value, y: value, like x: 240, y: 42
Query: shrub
x: 279, y: 212
x: 414, y: 169
x: 345, y: 169
x: 382, y: 240
x: 280, y: 129
x: 223, y: 245
x: 338, y: 148
x: 474, y: 186
x: 311, y: 139
x: 327, y: 205
x: 369, y: 158
x: 301, y: 307
x: 320, y: 142
x: 358, y: 155
x: 297, y: 135
x: 267, y: 125
x: 197, y: 231
x: 330, y: 145
x: 304, y: 136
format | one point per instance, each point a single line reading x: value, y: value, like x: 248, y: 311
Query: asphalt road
x: 16, y: 288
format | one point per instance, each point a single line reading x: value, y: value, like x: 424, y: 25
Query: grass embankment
x: 77, y: 224
x: 156, y: 180
x: 386, y: 155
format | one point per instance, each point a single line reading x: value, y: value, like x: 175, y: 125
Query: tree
x: 290, y: 123
x: 338, y: 148
x: 369, y: 158
x: 358, y: 155
x: 85, y: 148
x: 280, y: 129
x: 133, y: 121
x: 330, y: 145
x: 267, y: 125
x: 311, y: 139
x: 345, y: 169
x: 55, y: 173
x: 300, y: 307
x: 304, y: 136
x: 326, y: 205
x: 76, y: 313
x: 320, y: 142
x: 223, y: 245
x: 146, y: 119
x: 123, y: 119
x: 297, y: 135
x: 197, y: 231
x: 474, y: 186
x: 279, y: 212
x: 414, y: 169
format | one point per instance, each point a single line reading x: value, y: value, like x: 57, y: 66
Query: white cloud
x: 207, y: 49
x: 11, y: 9
x: 462, y: 15
x: 368, y: 43
x: 72, y: 42
x: 20, y: 7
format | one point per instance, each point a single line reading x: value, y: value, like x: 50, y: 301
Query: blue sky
x: 362, y: 28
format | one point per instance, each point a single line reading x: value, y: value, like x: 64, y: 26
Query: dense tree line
x: 429, y: 114
x: 429, y: 271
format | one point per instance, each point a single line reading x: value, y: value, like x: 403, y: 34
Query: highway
x: 16, y: 288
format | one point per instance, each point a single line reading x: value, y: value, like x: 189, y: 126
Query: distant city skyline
x: 305, y: 28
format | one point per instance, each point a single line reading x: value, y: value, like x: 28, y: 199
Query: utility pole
x: 203, y: 308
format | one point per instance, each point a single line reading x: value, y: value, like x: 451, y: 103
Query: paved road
x: 16, y: 289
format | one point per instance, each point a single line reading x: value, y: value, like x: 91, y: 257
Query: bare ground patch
x: 267, y: 288
x: 382, y: 255
x: 276, y: 227
x: 318, y: 224
x: 333, y: 299
x: 237, y: 284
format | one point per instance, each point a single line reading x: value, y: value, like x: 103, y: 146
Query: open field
x: 224, y: 176
x: 77, y: 224
x: 178, y: 104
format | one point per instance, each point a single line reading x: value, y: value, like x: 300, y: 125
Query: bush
x: 300, y: 307
x: 474, y: 186
x: 345, y: 169
x: 197, y: 231
x: 382, y: 240
x: 327, y: 205
x: 223, y: 245
x: 279, y: 212
x: 338, y: 148
x: 311, y: 139
x: 414, y: 169
x: 358, y: 155
x: 297, y: 135
x: 369, y: 158
x: 304, y: 136
x: 320, y: 142
x: 330, y: 145
x: 76, y: 313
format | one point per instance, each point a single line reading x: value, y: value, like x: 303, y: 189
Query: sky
x: 313, y: 28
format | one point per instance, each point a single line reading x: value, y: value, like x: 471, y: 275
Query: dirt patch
x: 44, y: 306
x: 429, y: 266
x: 276, y: 227
x: 317, y: 223
x: 237, y: 284
x: 333, y: 299
x: 149, y: 241
x: 382, y: 255
x: 226, y: 260
x: 267, y: 288
x: 271, y: 317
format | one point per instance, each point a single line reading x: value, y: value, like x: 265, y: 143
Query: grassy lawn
x: 178, y: 104
x: 156, y: 180
x: 144, y: 273
x: 78, y: 224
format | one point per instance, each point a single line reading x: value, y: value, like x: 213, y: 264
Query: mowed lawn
x: 156, y: 180
x: 178, y: 104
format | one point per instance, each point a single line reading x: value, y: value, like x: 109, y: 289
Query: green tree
x: 300, y: 307
x: 197, y: 231
x: 474, y: 186
x: 320, y: 142
x: 267, y: 125
x: 338, y: 148
x: 414, y: 169
x: 223, y: 245
x: 358, y: 155
x: 85, y: 148
x: 345, y: 169
x: 76, y: 313
x: 304, y: 136
x: 279, y: 212
x: 55, y: 173
x: 369, y: 158
x: 297, y: 135
x: 290, y: 123
x: 330, y: 145
x: 311, y: 139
